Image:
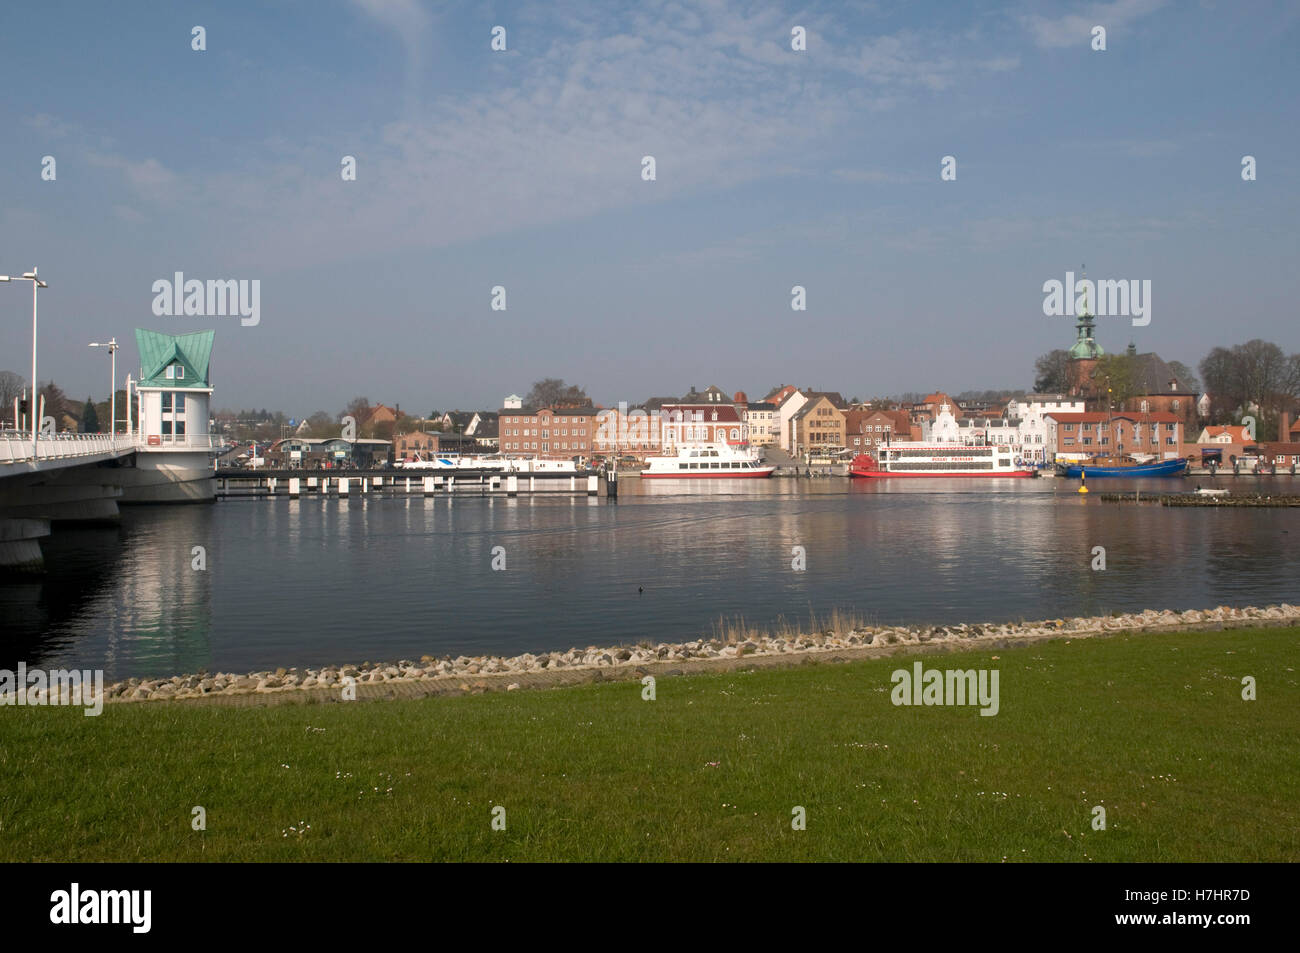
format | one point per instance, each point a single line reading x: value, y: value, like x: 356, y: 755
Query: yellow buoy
x: 1083, y: 481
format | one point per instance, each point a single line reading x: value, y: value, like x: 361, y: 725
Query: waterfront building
x: 623, y: 431
x: 1030, y: 411
x: 551, y: 433
x: 981, y: 431
x: 1223, y: 435
x: 819, y: 424
x: 789, y: 402
x: 173, y: 397
x: 1283, y: 455
x: 701, y: 423
x: 763, y: 422
x: 1157, y: 434
x: 866, y: 429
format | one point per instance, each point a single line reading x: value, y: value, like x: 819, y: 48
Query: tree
x: 56, y: 403
x: 89, y: 419
x: 358, y: 409
x: 1052, y: 372
x: 320, y: 424
x: 11, y: 388
x: 104, y: 410
x: 552, y: 391
x: 1117, y: 378
x: 1187, y: 379
x: 1256, y: 372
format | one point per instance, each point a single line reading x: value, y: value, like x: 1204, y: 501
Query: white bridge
x: 77, y: 477
x: 52, y: 451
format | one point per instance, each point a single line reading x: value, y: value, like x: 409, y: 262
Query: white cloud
x: 1075, y: 29
x: 713, y: 92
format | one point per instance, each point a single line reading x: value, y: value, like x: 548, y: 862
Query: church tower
x: 1085, y: 353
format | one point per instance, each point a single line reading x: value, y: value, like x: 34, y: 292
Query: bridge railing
x: 193, y: 441
x: 16, y: 446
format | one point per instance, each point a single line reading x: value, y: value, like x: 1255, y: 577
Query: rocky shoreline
x: 486, y: 672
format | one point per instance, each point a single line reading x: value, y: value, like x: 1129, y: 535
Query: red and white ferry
x: 940, y: 460
x: 707, y: 461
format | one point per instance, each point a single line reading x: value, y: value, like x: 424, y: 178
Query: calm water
x: 311, y: 581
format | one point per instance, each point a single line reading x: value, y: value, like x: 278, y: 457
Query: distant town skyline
x: 134, y: 156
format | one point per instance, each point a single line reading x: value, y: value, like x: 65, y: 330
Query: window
x: 180, y: 372
x: 171, y: 372
x: 167, y: 401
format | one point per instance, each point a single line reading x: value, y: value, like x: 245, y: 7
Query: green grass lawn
x: 1152, y: 727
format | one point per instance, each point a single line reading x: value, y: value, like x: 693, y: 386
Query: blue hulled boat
x: 1157, y: 468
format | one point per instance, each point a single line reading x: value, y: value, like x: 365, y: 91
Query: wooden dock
x: 346, y: 484
x: 1200, y: 499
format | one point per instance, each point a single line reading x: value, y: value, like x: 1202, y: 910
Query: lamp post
x: 111, y: 344
x: 36, y: 283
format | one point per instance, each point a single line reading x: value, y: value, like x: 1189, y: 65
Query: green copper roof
x: 1085, y: 346
x: 157, y: 350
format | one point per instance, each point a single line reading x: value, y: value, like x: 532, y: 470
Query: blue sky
x: 774, y: 168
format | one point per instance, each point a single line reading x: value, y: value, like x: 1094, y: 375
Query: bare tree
x: 358, y: 409
x: 1187, y: 379
x: 1052, y: 372
x: 1256, y: 374
x: 11, y: 387
x: 552, y: 391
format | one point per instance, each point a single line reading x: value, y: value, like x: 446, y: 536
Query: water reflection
x: 314, y: 581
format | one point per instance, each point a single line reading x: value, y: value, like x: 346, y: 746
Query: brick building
x: 552, y: 433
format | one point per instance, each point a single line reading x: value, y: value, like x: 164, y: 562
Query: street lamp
x: 112, y: 389
x: 36, y: 283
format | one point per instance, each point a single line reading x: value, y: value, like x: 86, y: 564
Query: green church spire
x: 1085, y: 345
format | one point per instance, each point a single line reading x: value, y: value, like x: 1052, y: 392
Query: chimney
x: 1284, y: 428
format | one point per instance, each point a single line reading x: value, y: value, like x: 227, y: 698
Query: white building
x: 1030, y: 412
x: 785, y: 413
x: 172, y: 419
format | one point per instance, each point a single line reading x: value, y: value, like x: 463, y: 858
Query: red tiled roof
x: 1237, y: 433
x: 1095, y: 417
x: 726, y: 413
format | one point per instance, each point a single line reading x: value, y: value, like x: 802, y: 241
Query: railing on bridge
x: 16, y: 446
x: 200, y: 441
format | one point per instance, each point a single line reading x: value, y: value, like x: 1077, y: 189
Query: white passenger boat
x: 707, y: 461
x: 940, y: 460
x: 488, y: 462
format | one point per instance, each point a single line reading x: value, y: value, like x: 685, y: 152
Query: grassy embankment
x: 1152, y: 727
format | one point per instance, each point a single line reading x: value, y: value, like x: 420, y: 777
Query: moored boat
x: 1158, y: 468
x: 707, y: 461
x: 940, y: 460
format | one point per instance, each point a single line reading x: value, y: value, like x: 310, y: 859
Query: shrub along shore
x: 837, y: 638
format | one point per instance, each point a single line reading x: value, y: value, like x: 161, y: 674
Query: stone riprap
x: 470, y: 674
